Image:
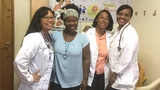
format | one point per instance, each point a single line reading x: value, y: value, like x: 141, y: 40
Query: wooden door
x: 6, y: 44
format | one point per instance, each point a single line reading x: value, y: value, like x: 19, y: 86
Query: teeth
x: 49, y: 24
x: 121, y: 20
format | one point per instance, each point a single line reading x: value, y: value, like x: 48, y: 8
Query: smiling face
x: 123, y: 17
x: 71, y: 23
x: 47, y: 21
x: 102, y: 20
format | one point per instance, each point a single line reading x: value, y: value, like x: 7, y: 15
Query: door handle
x: 7, y: 44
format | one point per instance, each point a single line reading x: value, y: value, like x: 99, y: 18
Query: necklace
x: 65, y: 56
x: 48, y: 40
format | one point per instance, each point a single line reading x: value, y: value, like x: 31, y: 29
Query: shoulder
x: 82, y: 37
x: 33, y: 38
x: 131, y: 30
x: 90, y: 31
x: 131, y: 33
x: 131, y: 27
x: 54, y: 33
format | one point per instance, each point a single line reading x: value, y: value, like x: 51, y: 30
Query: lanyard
x: 119, y: 48
x: 48, y: 40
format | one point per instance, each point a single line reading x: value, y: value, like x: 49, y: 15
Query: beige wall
x: 148, y: 29
x: 21, y: 21
x: 146, y: 26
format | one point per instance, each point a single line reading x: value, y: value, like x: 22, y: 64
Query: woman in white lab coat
x: 99, y: 38
x: 123, y: 53
x: 34, y: 61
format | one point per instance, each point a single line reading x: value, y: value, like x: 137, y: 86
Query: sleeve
x: 54, y: 34
x: 85, y: 40
x: 27, y: 51
x: 129, y: 45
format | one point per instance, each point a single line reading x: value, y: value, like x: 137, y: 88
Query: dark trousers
x: 98, y: 82
x: 112, y: 89
x: 54, y: 86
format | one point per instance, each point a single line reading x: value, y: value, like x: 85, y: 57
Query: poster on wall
x: 88, y: 9
x: 56, y: 5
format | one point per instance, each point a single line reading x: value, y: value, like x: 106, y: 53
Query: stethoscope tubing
x: 120, y: 38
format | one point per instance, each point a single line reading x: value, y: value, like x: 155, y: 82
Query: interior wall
x: 147, y: 28
x: 21, y: 22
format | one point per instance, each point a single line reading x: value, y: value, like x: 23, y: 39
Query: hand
x: 112, y: 78
x: 36, y: 77
x: 86, y: 28
x: 108, y: 86
x: 84, y: 85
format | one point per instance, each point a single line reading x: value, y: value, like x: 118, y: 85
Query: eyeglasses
x: 49, y: 18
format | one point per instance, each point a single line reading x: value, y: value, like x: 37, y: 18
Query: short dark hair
x: 125, y: 6
x: 35, y: 25
x: 110, y: 26
x: 70, y: 6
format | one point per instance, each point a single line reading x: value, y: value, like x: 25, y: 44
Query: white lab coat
x: 124, y: 62
x: 91, y: 34
x: 33, y: 55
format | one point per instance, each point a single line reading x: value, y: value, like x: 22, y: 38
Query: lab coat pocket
x: 43, y: 84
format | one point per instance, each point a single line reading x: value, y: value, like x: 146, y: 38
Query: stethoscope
x: 120, y: 38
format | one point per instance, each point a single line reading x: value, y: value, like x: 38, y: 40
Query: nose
x: 104, y: 20
x: 72, y: 22
x: 123, y: 16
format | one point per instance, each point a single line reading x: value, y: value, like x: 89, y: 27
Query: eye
x: 48, y: 18
x: 69, y: 21
x: 105, y: 18
x: 120, y: 14
x: 127, y: 15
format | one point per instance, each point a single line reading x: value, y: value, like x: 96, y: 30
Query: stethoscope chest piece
x: 118, y: 48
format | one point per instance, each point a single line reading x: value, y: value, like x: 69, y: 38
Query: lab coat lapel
x: 92, y: 35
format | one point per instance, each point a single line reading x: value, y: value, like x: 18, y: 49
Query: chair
x: 155, y: 85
